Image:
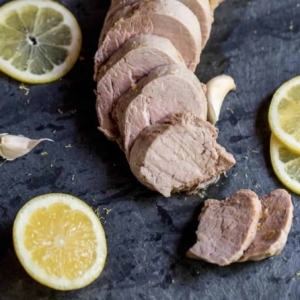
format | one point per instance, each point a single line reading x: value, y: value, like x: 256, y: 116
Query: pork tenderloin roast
x: 201, y: 8
x: 273, y: 227
x: 226, y: 228
x: 166, y: 90
x: 178, y: 154
x: 167, y: 18
x: 125, y: 68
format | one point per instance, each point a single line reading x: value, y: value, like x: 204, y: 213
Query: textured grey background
x: 256, y: 42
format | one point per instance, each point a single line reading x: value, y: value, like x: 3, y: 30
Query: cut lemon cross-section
x: 40, y: 40
x: 60, y: 241
x: 284, y: 114
x: 286, y: 164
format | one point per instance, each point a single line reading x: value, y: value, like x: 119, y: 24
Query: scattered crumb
x: 60, y: 111
x: 298, y: 5
x: 104, y: 68
x: 298, y: 273
x: 95, y: 92
x: 246, y: 175
x: 230, y: 109
x: 291, y: 25
x: 254, y: 151
x: 107, y: 211
x: 69, y: 146
x: 225, y: 174
x: 257, y: 186
x: 234, y: 175
x: 246, y: 157
x: 73, y: 177
x: 93, y: 200
x: 97, y: 212
x: 255, y: 32
x: 53, y: 131
x: 44, y: 153
x: 51, y: 166
x: 185, y: 198
x: 173, y: 281
x: 133, y: 86
x: 23, y: 87
x: 28, y: 101
x: 74, y: 111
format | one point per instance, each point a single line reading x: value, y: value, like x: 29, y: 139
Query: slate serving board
x: 256, y: 42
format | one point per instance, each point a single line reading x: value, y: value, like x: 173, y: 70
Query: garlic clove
x: 215, y: 3
x: 14, y: 146
x: 217, y: 90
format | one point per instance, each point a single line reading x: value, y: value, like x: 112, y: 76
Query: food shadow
x: 17, y: 281
x: 214, y: 61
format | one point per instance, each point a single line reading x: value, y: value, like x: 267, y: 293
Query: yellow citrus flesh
x: 286, y: 164
x: 40, y: 40
x: 60, y: 241
x: 284, y: 114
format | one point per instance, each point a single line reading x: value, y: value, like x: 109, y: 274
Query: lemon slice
x: 284, y: 114
x: 40, y: 40
x: 60, y: 241
x: 286, y: 164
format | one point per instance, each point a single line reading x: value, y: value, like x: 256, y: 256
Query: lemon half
x: 284, y: 114
x: 286, y: 164
x: 60, y: 241
x: 40, y: 40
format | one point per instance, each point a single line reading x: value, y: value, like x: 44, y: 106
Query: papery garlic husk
x: 15, y: 146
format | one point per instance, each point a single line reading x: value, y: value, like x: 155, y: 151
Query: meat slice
x: 166, y: 90
x: 167, y: 18
x: 226, y: 228
x: 273, y: 227
x: 128, y: 65
x: 201, y: 8
x: 179, y: 153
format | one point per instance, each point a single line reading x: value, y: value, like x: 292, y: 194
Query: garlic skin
x: 15, y: 146
x: 217, y: 90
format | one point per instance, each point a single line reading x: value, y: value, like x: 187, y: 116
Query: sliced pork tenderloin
x: 125, y: 68
x: 178, y: 154
x: 273, y: 227
x: 167, y: 18
x: 201, y: 8
x: 166, y: 90
x: 226, y: 228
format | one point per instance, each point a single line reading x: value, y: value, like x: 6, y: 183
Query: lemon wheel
x: 286, y: 164
x: 60, y: 241
x: 40, y: 40
x: 284, y: 114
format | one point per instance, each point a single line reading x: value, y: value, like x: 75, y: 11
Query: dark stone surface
x: 256, y: 42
